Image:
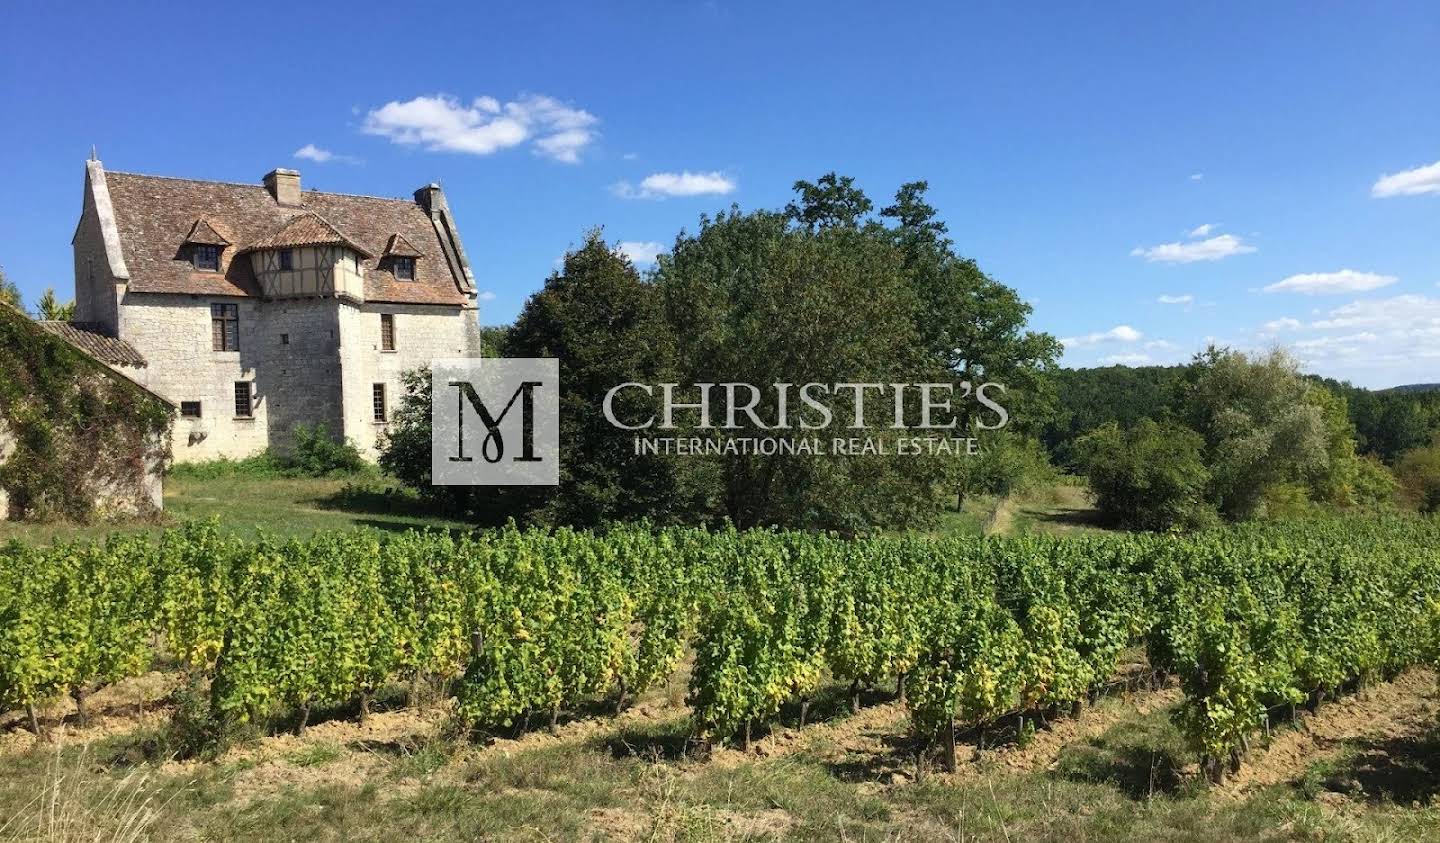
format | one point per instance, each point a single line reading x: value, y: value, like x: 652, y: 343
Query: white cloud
x: 1161, y: 345
x: 1376, y: 342
x: 1134, y: 359
x: 314, y: 153
x: 1202, y: 230
x: 1326, y: 342
x: 1211, y: 249
x: 485, y: 126
x: 1329, y: 283
x: 630, y: 156
x: 486, y: 295
x: 1284, y: 323
x: 1119, y: 333
x: 1185, y: 299
x: 319, y: 155
x: 640, y: 253
x: 1425, y: 179
x: 686, y: 183
x: 1197, y: 177
x: 1408, y: 311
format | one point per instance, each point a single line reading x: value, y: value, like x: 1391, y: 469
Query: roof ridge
x: 260, y: 186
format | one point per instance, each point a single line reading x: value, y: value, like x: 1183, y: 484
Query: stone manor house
x: 255, y: 308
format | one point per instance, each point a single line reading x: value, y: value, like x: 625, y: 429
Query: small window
x: 387, y: 332
x: 190, y: 409
x: 378, y: 402
x: 287, y: 259
x: 206, y: 258
x: 243, y: 408
x: 225, y: 327
x: 405, y: 269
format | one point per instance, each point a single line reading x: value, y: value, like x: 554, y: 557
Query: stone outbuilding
x: 78, y: 439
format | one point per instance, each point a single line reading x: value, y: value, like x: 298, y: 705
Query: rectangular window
x: 287, y: 259
x: 284, y: 339
x: 387, y: 332
x: 225, y: 327
x: 405, y: 269
x: 243, y: 409
x: 378, y: 402
x: 206, y: 258
x: 190, y: 409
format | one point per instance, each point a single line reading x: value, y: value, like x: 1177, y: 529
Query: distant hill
x: 1414, y: 387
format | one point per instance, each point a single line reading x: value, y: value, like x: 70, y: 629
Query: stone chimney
x: 426, y: 196
x: 284, y: 185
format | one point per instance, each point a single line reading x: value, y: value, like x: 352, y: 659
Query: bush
x: 316, y: 453
x: 1150, y: 477
x: 1419, y: 474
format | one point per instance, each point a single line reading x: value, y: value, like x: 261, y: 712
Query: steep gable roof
x: 204, y: 234
x: 401, y: 248
x: 154, y: 215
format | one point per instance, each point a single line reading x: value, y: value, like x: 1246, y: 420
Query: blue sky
x: 1096, y: 157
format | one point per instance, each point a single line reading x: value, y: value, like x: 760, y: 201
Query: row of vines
x: 969, y: 631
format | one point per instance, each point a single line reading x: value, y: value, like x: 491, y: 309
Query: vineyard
x: 969, y: 633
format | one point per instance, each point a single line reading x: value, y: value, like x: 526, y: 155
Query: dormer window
x: 404, y: 268
x: 205, y: 244
x: 206, y: 258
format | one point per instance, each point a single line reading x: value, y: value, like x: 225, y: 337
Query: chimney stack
x: 284, y: 185
x: 425, y: 197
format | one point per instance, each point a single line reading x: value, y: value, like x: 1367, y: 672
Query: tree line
x: 825, y: 290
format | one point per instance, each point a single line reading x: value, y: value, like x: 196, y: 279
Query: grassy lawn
x: 243, y: 505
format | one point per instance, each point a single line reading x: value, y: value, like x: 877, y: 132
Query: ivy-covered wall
x: 77, y: 440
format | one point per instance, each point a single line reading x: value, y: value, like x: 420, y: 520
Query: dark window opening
x: 190, y: 409
x: 243, y: 409
x: 378, y: 402
x: 205, y: 258
x: 225, y: 327
x: 387, y: 332
x: 284, y: 339
x: 405, y: 269
x: 287, y: 259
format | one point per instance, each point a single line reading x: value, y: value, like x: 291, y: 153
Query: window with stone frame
x: 387, y: 332
x: 377, y: 402
x: 244, y: 404
x: 225, y: 327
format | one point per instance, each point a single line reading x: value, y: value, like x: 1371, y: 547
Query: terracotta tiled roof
x: 89, y: 340
x: 203, y: 233
x: 306, y: 230
x: 402, y: 248
x: 155, y: 213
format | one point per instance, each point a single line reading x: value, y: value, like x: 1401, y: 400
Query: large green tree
x: 1265, y: 425
x: 753, y: 299
x: 603, y: 323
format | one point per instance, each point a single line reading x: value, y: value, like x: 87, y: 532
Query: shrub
x: 316, y: 453
x: 1419, y: 474
x: 1150, y: 477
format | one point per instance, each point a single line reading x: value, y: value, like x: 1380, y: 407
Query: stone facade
x: 309, y: 343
